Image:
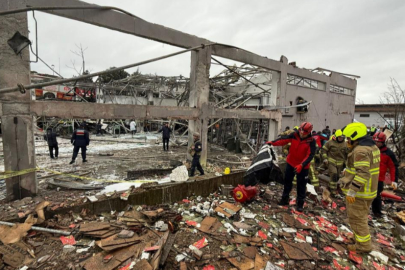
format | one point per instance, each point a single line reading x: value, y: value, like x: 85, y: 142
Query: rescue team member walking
x: 360, y: 182
x: 334, y: 154
x: 388, y: 163
x: 195, y: 152
x: 165, y: 136
x: 80, y: 139
x: 301, y: 152
x: 50, y: 137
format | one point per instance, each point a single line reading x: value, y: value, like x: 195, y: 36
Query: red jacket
x: 388, y: 162
x: 319, y: 138
x: 301, y: 151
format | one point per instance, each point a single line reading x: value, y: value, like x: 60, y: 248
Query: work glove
x: 298, y: 168
x: 394, y: 185
x: 351, y: 196
x: 326, y: 161
x: 269, y: 143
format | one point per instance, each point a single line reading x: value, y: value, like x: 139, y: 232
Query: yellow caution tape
x: 9, y: 174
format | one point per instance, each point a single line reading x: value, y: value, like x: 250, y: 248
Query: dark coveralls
x: 195, y: 163
x: 301, y: 151
x: 50, y: 137
x: 166, y: 137
x: 80, y: 139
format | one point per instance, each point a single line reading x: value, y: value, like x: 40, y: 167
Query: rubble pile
x: 210, y: 232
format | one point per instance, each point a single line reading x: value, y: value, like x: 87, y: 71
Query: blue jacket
x: 165, y: 131
x: 50, y: 137
x: 80, y: 137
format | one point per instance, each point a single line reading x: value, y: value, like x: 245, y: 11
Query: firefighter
x: 334, y: 154
x: 302, y: 151
x: 388, y: 161
x: 360, y: 182
x: 286, y: 133
x: 80, y: 139
x: 195, y: 152
x: 373, y: 130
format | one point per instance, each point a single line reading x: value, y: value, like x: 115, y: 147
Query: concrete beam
x: 80, y: 110
x: 118, y: 21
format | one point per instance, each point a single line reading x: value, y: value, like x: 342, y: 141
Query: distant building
x: 378, y: 114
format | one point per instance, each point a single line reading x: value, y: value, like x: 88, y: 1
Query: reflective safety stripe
x: 314, y: 179
x: 375, y: 171
x: 360, y: 179
x: 362, y: 239
x: 362, y: 195
x: 366, y: 195
x: 333, y: 161
x: 351, y: 171
x: 362, y: 163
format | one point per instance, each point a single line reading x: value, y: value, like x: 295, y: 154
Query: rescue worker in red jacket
x: 302, y: 151
x: 388, y: 162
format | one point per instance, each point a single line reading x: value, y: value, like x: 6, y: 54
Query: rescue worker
x: 373, y: 130
x: 286, y: 133
x: 132, y: 127
x: 334, y: 154
x: 165, y: 136
x: 50, y: 138
x: 388, y: 162
x: 80, y: 140
x: 195, y: 152
x: 360, y: 182
x: 326, y: 131
x: 301, y: 153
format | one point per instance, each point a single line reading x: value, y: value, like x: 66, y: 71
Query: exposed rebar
x: 33, y: 86
x: 40, y: 229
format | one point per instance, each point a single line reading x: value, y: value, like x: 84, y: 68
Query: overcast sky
x: 364, y: 38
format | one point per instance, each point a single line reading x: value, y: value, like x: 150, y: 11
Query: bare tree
x: 394, y: 101
x: 80, y: 52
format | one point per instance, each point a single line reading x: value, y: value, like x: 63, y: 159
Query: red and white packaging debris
x: 68, y: 240
x: 201, y: 243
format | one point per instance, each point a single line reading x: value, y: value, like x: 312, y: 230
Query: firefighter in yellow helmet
x: 360, y: 182
x: 287, y: 132
x: 334, y: 155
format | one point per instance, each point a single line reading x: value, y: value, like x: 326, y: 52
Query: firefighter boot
x: 284, y: 201
x: 300, y: 206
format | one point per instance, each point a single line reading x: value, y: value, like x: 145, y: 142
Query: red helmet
x: 380, y: 137
x: 306, y: 127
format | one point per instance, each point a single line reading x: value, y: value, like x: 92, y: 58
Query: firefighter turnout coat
x: 363, y: 169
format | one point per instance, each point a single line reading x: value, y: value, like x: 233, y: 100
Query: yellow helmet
x: 355, y: 131
x: 227, y: 170
x: 338, y: 133
x: 296, y: 127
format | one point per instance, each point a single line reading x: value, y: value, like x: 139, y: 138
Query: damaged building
x: 132, y: 205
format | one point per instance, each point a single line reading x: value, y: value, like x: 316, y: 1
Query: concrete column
x: 274, y: 126
x: 199, y: 93
x: 16, y: 120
